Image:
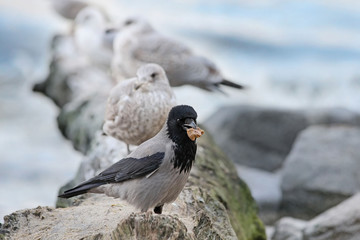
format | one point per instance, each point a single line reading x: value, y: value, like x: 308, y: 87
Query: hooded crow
x: 137, y: 108
x: 156, y: 172
x: 138, y: 43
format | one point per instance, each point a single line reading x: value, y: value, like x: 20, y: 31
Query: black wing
x: 125, y: 169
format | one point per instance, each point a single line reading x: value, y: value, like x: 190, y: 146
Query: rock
x: 221, y: 207
x: 211, y: 164
x: 89, y: 110
x: 101, y: 217
x: 269, y: 232
x: 289, y: 228
x: 328, y: 116
x: 95, y: 219
x: 262, y: 137
x: 215, y: 203
x: 224, y: 185
x: 338, y: 223
x: 226, y: 194
x: 254, y: 136
x: 105, y: 151
x: 56, y: 86
x: 62, y: 68
x: 321, y: 170
x: 265, y: 188
x: 71, y: 75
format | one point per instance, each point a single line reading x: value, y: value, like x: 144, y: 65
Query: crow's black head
x: 180, y: 119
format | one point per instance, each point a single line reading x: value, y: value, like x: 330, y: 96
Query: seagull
x: 156, y: 172
x: 138, y: 43
x: 91, y: 36
x: 68, y: 8
x: 138, y: 107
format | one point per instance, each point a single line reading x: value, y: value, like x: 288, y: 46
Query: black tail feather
x: 231, y: 84
x: 81, y: 189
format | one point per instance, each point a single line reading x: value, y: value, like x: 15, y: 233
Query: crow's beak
x: 189, y: 123
x: 192, y: 130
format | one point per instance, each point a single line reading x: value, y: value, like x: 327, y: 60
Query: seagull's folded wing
x: 154, y: 48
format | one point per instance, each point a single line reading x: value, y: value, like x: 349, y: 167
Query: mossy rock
x: 223, y: 202
x: 214, y: 172
x: 80, y: 119
x: 215, y: 204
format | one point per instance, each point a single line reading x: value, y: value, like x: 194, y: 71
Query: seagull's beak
x: 109, y: 37
x: 111, y: 31
x: 140, y: 83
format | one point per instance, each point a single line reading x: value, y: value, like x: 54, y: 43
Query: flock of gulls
x: 141, y: 109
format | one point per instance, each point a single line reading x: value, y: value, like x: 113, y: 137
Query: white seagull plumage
x: 68, y: 8
x: 90, y: 36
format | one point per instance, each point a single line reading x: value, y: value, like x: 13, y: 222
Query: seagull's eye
x: 153, y: 75
x: 110, y: 30
x: 128, y: 22
x: 86, y: 18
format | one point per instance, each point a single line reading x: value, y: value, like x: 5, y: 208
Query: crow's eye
x: 153, y: 75
x: 129, y: 22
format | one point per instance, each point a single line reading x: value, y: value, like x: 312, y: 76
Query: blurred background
x: 290, y: 54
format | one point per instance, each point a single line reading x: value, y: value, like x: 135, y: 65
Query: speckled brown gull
x: 137, y: 108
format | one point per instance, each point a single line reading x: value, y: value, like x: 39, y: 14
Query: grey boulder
x: 255, y: 136
x: 322, y: 170
x: 265, y: 188
x: 215, y: 204
x: 338, y: 223
x: 289, y: 228
x: 341, y: 222
x: 262, y: 137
